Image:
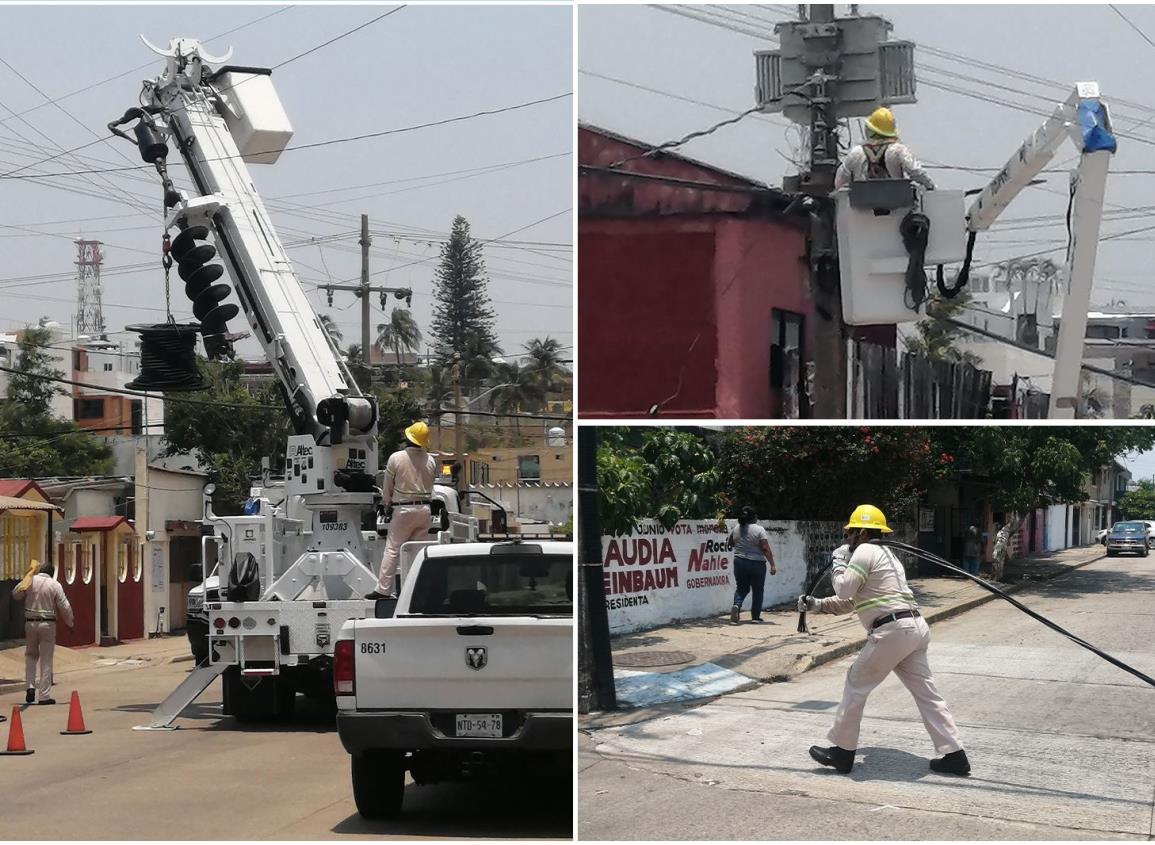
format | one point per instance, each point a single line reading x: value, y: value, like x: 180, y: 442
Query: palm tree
x: 438, y: 394
x: 515, y: 391
x: 477, y: 362
x: 353, y: 353
x: 330, y: 327
x: 544, y: 368
x: 401, y: 332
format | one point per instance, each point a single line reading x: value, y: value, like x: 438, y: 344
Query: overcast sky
x: 657, y: 49
x: 420, y: 64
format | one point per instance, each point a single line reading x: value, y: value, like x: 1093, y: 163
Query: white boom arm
x: 1084, y: 119
x: 324, y: 399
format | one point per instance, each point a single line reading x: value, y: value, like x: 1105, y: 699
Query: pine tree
x: 463, y: 317
x: 31, y: 386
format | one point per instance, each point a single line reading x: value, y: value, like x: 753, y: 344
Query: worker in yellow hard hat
x: 883, y: 156
x: 869, y: 580
x: 406, y: 492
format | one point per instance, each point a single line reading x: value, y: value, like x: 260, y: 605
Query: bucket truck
x: 290, y: 575
x: 1084, y: 119
x: 882, y: 278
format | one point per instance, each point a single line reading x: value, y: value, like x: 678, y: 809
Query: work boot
x: 841, y: 760
x: 734, y: 611
x: 955, y: 763
x: 376, y: 595
x: 30, y: 695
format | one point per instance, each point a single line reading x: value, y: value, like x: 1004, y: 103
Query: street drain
x: 652, y: 658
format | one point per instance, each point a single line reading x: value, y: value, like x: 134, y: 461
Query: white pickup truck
x: 470, y: 673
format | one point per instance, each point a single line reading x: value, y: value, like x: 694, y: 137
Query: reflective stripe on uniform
x: 858, y: 569
x: 906, y: 598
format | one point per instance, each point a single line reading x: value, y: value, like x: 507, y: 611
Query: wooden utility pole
x: 596, y: 689
x: 363, y: 289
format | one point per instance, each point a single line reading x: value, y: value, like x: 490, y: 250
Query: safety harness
x: 991, y: 588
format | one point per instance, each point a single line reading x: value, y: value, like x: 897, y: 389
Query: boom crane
x: 295, y: 572
x: 1083, y: 118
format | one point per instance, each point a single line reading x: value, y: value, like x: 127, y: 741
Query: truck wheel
x: 378, y: 783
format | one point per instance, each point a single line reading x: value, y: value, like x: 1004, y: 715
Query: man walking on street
x: 44, y: 603
x: 406, y: 492
x: 872, y: 582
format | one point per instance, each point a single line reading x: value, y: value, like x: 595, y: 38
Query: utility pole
x: 363, y: 290
x: 828, y: 68
x: 595, y: 660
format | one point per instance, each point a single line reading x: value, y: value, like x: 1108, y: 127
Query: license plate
x: 479, y: 724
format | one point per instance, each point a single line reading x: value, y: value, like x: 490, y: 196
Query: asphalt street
x: 215, y: 779
x: 1062, y: 744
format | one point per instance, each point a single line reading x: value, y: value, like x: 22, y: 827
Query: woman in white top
x: 751, y: 555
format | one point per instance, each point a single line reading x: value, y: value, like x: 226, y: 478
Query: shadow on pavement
x: 541, y: 808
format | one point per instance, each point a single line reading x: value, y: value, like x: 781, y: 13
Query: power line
x: 338, y: 38
x: 1131, y: 23
x: 345, y: 140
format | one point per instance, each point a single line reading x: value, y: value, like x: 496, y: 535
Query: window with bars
x: 15, y: 546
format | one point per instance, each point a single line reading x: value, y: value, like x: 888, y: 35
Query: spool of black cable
x: 168, y: 360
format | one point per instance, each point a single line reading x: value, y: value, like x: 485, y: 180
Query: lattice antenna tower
x: 89, y: 310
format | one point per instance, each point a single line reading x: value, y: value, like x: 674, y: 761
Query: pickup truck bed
x: 446, y: 692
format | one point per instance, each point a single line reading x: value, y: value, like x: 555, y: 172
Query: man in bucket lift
x: 883, y: 156
x: 870, y: 580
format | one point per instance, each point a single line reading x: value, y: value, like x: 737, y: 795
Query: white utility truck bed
x: 470, y: 673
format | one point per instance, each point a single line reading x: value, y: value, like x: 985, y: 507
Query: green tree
x: 937, y: 336
x: 463, y: 317
x: 229, y: 430
x: 397, y: 409
x: 1032, y: 467
x: 400, y: 333
x: 664, y: 473
x: 545, y: 367
x: 515, y: 390
x: 33, y: 442
x: 31, y: 385
x: 1138, y: 503
x: 792, y: 472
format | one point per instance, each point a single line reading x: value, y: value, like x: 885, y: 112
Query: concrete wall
x: 166, y: 497
x: 553, y: 504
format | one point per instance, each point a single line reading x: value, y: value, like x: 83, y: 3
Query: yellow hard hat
x: 418, y: 434
x: 868, y: 516
x: 881, y: 122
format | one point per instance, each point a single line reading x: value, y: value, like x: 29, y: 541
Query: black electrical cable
x: 963, y: 274
x: 991, y: 588
x: 915, y: 232
x: 803, y: 628
x: 168, y: 358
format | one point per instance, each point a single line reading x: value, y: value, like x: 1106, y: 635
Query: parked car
x: 1150, y: 523
x: 1128, y: 537
x: 1101, y: 537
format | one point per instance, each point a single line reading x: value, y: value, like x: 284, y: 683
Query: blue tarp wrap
x: 1092, y: 119
x: 645, y: 689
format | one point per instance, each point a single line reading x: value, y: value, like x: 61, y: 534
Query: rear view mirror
x: 384, y: 608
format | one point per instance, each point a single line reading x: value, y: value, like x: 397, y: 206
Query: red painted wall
x: 82, y: 597
x: 130, y: 602
x: 757, y: 269
x: 644, y: 296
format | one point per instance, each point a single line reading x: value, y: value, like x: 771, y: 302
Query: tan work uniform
x: 44, y: 603
x: 872, y: 583
x: 408, y: 487
x: 891, y: 158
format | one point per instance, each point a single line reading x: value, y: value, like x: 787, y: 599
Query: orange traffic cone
x: 16, y: 735
x: 75, y: 717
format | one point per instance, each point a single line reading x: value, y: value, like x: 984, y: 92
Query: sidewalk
x: 718, y: 657
x: 168, y: 649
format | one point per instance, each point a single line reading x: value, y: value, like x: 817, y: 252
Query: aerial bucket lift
x: 874, y: 260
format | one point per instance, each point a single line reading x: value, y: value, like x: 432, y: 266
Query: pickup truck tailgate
x: 465, y: 662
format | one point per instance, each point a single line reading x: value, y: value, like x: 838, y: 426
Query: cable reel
x: 168, y: 360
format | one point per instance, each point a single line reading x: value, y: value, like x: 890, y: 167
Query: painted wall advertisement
x: 654, y: 576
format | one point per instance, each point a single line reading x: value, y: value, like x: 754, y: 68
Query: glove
x: 809, y: 604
